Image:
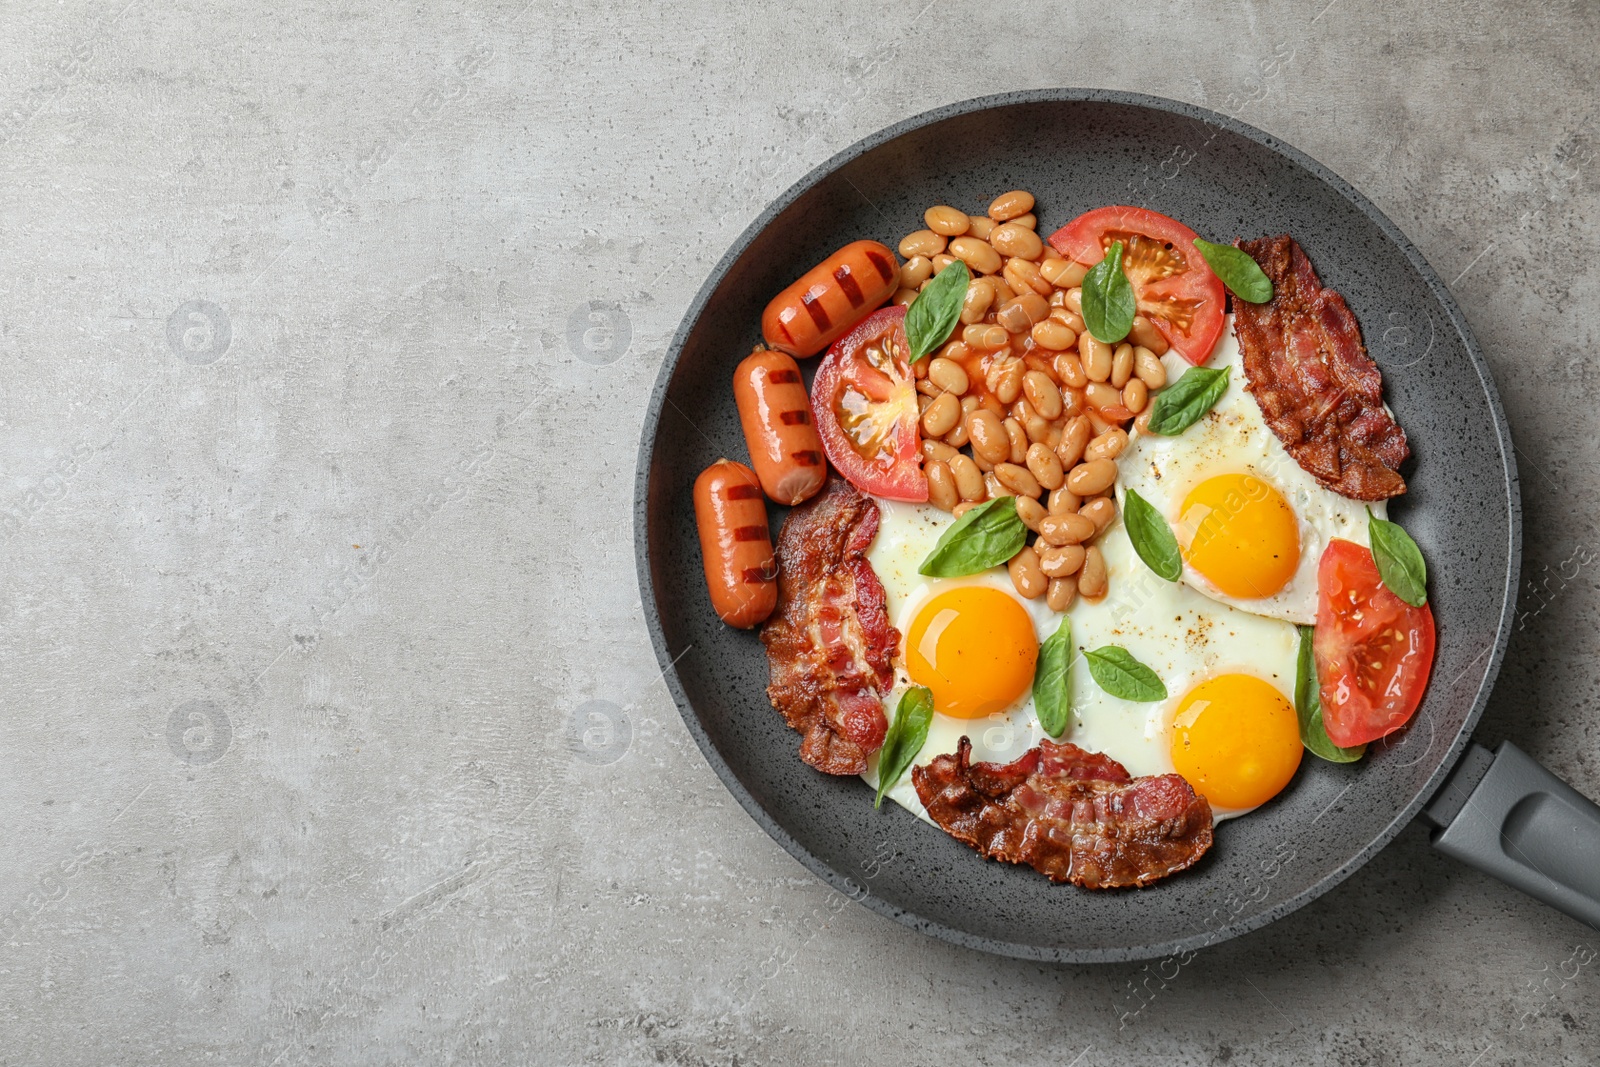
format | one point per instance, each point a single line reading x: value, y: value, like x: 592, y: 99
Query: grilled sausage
x: 776, y: 416
x: 741, y: 573
x: 830, y: 298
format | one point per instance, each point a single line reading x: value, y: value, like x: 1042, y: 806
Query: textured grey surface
x: 275, y: 798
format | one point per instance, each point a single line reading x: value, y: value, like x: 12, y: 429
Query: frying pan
x: 1075, y: 150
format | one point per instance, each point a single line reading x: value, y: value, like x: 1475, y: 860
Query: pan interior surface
x: 1077, y: 150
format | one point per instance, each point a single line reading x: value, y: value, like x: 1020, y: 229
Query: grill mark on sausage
x: 797, y: 417
x: 742, y: 492
x: 750, y: 533
x: 847, y: 284
x: 886, y: 270
x: 784, y: 377
x: 819, y: 315
x: 807, y: 458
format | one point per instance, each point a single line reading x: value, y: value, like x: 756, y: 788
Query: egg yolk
x: 1240, y: 533
x: 974, y: 647
x: 1236, y: 740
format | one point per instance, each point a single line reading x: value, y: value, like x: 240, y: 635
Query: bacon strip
x: 829, y: 642
x: 1315, y: 384
x: 1071, y: 815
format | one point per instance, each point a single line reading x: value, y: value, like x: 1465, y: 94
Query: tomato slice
x: 864, y: 404
x: 1373, y: 650
x: 1174, y: 285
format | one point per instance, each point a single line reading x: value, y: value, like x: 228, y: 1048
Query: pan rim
x: 843, y: 883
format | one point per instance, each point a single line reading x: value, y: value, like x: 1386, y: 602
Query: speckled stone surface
x: 282, y: 282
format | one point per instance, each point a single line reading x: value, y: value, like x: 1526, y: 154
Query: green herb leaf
x: 933, y: 315
x: 984, y: 537
x: 1116, y: 671
x: 1308, y: 708
x: 1108, y: 301
x: 1238, y: 270
x: 1152, y: 537
x: 1052, y: 677
x: 1399, y: 560
x: 1181, y: 404
x: 905, y: 738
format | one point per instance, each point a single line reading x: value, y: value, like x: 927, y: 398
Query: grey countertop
x: 331, y: 728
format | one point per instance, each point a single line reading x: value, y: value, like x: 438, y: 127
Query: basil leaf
x: 1152, y: 537
x: 905, y: 738
x: 1052, y: 677
x: 1308, y: 708
x: 933, y: 315
x: 1399, y: 560
x: 1108, y: 301
x: 1116, y: 671
x: 1180, y: 405
x: 1238, y: 270
x: 984, y: 537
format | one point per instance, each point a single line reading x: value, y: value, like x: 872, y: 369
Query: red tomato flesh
x: 864, y: 404
x: 1175, y: 287
x: 1373, y: 650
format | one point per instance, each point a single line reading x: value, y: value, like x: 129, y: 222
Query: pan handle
x: 1505, y: 814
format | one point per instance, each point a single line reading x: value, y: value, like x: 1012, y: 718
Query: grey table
x: 331, y: 732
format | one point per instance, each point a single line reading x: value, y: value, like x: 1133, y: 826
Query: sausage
x: 776, y: 415
x: 830, y: 298
x: 741, y: 573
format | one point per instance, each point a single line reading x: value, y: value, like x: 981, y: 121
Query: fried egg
x: 1227, y: 724
x: 1250, y: 523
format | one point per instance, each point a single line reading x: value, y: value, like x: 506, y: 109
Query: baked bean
x: 1073, y: 301
x: 1102, y: 395
x: 956, y: 351
x: 1067, y: 528
x: 1013, y: 240
x: 1092, y: 578
x: 923, y: 401
x: 927, y: 388
x: 915, y: 271
x: 958, y: 437
x: 1030, y: 220
x: 1108, y: 445
x: 975, y: 305
x: 1017, y: 479
x: 969, y: 479
x: 1042, y: 394
x: 903, y: 297
x: 1145, y: 334
x: 1096, y: 355
x: 1036, y: 306
x: 1064, y: 501
x: 980, y: 226
x: 1005, y: 378
x: 1142, y: 423
x: 1147, y: 365
x: 1122, y: 365
x: 1066, y: 273
x: 942, y: 492
x: 1074, y: 438
x: 1135, y: 395
x: 948, y: 375
x: 1097, y: 420
x: 1060, y: 593
x: 1100, y: 511
x: 942, y: 415
x: 1053, y: 335
x: 1013, y: 317
x: 921, y: 243
x: 1058, y: 561
x: 1010, y: 205
x: 1068, y: 318
x: 937, y: 451
x: 975, y: 254
x: 919, y: 369
x: 992, y: 486
x: 941, y: 261
x: 989, y: 440
x: 1026, y: 575
x: 1016, y: 442
x: 1031, y: 512
x: 964, y: 507
x: 946, y: 221
x: 1002, y: 290
x: 1069, y: 368
x: 1038, y: 430
x: 1092, y: 476
x: 1044, y: 466
x: 1023, y: 276
x: 985, y: 337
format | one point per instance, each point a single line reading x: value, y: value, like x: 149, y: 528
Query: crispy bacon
x: 829, y: 642
x: 1317, y: 388
x: 1071, y: 815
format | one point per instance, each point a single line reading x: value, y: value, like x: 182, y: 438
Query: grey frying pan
x: 1079, y: 149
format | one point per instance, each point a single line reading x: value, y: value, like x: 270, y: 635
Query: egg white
x: 1177, y: 632
x: 1233, y: 438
